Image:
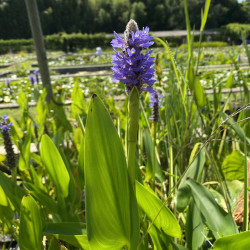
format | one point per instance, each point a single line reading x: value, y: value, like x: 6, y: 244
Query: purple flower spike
x: 36, y: 73
x: 155, y: 104
x: 32, y: 79
x: 132, y: 67
x: 7, y: 81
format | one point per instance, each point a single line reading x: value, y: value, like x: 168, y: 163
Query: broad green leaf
x: 233, y: 166
x: 239, y: 241
x: 199, y: 93
x: 6, y: 208
x: 111, y: 212
x: 4, y: 199
x: 12, y: 191
x: 217, y: 220
x: 156, y: 211
x: 230, y: 81
x: 148, y: 142
x: 78, y: 105
x: 194, y: 172
x: 30, y: 232
x: 55, y: 165
x: 73, y: 233
x: 194, y: 229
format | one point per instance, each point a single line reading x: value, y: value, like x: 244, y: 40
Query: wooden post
x: 37, y: 34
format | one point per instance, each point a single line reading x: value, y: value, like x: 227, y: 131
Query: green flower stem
x: 133, y: 119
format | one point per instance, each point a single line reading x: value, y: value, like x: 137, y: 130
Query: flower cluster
x: 10, y: 155
x: 131, y: 66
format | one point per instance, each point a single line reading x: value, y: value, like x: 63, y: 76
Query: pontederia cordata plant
x: 162, y: 169
x: 109, y: 178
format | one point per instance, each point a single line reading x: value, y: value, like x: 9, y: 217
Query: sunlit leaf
x: 55, y: 165
x: 233, y: 166
x: 156, y: 211
x: 194, y: 229
x: 218, y: 221
x: 12, y: 191
x: 239, y: 241
x: 194, y: 172
x: 111, y: 212
x: 72, y: 233
x: 199, y: 93
x: 30, y: 234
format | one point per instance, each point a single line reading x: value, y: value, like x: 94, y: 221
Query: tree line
x: 92, y: 16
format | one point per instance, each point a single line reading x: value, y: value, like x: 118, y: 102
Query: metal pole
x: 37, y: 34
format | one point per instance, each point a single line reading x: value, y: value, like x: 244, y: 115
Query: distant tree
x: 104, y: 20
x: 120, y: 10
x: 138, y: 13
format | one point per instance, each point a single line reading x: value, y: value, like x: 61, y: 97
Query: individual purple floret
x: 4, y: 125
x: 131, y: 66
x: 32, y: 79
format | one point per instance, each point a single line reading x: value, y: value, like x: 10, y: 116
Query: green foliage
x: 30, y: 235
x: 55, y: 166
x: 106, y: 179
x: 234, y: 30
x: 239, y: 241
x: 157, y: 212
x: 194, y: 171
x: 72, y: 233
x: 220, y: 223
x: 16, y: 45
x: 233, y: 166
x: 206, y: 45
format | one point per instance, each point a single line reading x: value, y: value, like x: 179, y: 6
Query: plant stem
x: 154, y: 154
x: 133, y: 119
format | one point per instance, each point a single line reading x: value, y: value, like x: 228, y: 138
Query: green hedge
x: 61, y: 41
x: 72, y: 42
x: 234, y: 30
x: 206, y: 45
x: 16, y: 45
